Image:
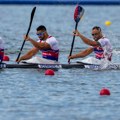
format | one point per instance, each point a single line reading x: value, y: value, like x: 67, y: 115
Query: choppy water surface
x: 27, y: 94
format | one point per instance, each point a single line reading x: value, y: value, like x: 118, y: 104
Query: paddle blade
x: 78, y: 13
x: 31, y: 19
x: 33, y: 12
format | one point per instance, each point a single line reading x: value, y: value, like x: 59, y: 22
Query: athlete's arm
x: 86, y: 40
x: 29, y: 54
x: 39, y: 45
x: 82, y: 53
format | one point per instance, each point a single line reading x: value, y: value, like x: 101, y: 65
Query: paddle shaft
x: 73, y: 42
x: 31, y: 19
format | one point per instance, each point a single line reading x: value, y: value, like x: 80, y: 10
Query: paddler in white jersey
x: 101, y: 46
x: 48, y: 45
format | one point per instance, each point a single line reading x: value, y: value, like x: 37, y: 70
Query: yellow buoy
x: 107, y: 23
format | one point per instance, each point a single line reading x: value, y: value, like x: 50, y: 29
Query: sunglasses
x: 94, y: 34
x: 40, y: 34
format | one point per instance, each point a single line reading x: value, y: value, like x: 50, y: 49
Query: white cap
x: 1, y: 43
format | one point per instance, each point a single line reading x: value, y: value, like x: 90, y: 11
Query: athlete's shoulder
x: 104, y: 38
x: 51, y: 38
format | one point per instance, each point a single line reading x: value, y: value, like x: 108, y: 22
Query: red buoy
x: 104, y: 91
x: 49, y: 72
x: 6, y: 58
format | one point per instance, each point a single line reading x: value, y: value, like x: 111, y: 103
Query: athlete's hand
x: 70, y: 57
x: 76, y: 33
x: 18, y: 60
x: 26, y: 37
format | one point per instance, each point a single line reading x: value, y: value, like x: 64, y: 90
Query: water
x: 27, y: 94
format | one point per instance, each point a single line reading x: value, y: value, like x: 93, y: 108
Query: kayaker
x: 1, y: 49
x: 47, y: 44
x: 101, y: 46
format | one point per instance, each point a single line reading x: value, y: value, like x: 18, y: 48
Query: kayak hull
x: 42, y: 66
x: 60, y: 66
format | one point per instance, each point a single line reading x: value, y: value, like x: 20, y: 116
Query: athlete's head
x: 96, y: 33
x: 42, y: 32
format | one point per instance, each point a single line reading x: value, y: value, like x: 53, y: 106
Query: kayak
x: 60, y: 66
x: 42, y: 66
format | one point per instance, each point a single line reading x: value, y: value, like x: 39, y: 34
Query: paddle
x: 31, y: 19
x: 78, y: 13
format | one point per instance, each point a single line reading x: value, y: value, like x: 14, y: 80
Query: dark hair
x: 97, y: 28
x: 41, y: 27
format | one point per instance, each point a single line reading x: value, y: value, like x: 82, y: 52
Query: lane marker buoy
x: 49, y: 72
x: 104, y: 91
x: 6, y: 58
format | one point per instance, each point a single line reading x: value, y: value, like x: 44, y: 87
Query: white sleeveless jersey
x: 53, y: 52
x: 107, y: 47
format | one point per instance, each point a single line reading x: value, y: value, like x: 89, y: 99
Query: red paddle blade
x: 78, y: 13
